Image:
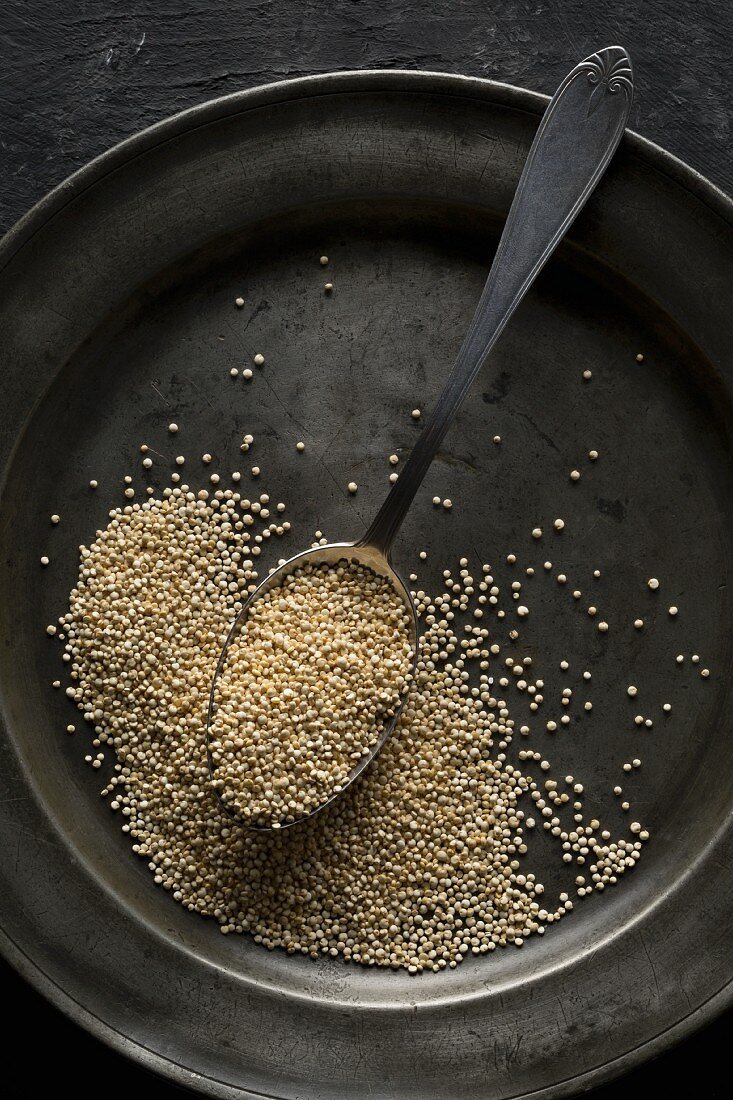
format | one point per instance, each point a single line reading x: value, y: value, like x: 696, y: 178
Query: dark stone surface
x: 79, y: 77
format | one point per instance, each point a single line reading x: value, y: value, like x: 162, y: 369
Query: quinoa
x: 418, y: 864
x: 310, y: 677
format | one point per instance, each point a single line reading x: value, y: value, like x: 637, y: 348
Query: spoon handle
x: 577, y: 137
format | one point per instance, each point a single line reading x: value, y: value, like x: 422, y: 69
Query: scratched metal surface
x: 116, y: 307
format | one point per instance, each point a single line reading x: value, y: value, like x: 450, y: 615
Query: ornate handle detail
x: 610, y: 72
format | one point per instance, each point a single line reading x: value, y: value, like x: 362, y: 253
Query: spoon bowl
x: 360, y: 553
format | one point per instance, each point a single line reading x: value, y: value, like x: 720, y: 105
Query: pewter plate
x: 117, y: 315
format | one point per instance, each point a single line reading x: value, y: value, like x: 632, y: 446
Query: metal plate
x: 116, y: 307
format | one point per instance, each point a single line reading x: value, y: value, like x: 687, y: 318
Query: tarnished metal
x: 116, y: 306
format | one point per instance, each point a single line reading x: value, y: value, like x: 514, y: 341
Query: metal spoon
x: 576, y: 138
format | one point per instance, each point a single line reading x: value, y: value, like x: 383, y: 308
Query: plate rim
x: 239, y: 102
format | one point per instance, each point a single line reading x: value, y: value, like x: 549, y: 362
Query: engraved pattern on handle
x: 577, y: 136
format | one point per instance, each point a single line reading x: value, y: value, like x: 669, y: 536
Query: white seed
x: 247, y: 374
x: 55, y: 519
x: 239, y: 303
x: 416, y: 414
x: 173, y: 428
x: 653, y: 583
x: 300, y: 445
x: 259, y: 359
x: 352, y: 487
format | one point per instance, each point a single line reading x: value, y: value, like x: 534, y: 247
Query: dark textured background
x: 80, y: 75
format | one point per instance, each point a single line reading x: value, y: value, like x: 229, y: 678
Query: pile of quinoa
x: 418, y: 864
x: 314, y: 671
